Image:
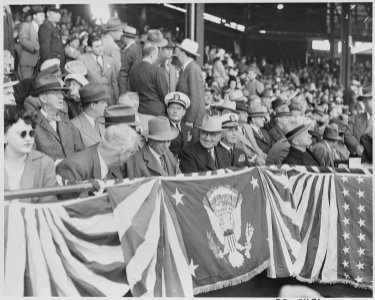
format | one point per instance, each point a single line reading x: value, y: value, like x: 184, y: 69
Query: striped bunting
x: 63, y: 255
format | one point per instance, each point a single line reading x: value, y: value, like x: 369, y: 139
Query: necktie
x: 231, y: 154
x: 56, y: 118
x: 163, y: 164
x: 100, y: 63
x: 96, y: 127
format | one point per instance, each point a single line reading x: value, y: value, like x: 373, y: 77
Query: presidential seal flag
x: 223, y: 223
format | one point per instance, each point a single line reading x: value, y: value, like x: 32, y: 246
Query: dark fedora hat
x: 277, y: 103
x: 114, y: 24
x: 47, y: 83
x: 36, y: 9
x: 257, y: 111
x: 51, y: 8
x: 92, y: 92
x: 159, y: 129
x: 118, y: 114
x: 155, y: 37
x: 242, y: 106
x: 331, y: 133
x: 283, y: 111
x: 170, y: 45
x: 295, y: 128
x: 367, y: 93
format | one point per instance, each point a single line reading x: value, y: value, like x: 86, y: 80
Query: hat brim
x: 238, y: 99
x: 283, y: 114
x: 101, y: 120
x: 301, y: 129
x: 332, y: 138
x: 364, y: 97
x: 164, y: 137
x: 161, y: 44
x: 258, y: 114
x: 230, y: 125
x: 195, y: 54
x: 131, y: 35
x: 38, y: 92
x: 220, y: 107
x: 119, y: 27
x: 177, y: 102
x: 11, y: 83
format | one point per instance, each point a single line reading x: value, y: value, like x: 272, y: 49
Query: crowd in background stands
x: 109, y: 102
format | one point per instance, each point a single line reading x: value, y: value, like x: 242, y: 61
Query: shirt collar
x: 154, y: 153
x: 128, y: 45
x: 226, y: 146
x: 89, y: 118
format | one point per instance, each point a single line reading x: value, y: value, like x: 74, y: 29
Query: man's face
x: 54, y: 16
x: 251, y: 75
x: 175, y: 112
x: 303, y: 139
x: 39, y: 18
x: 160, y: 147
x: 209, y: 140
x: 117, y: 35
x: 167, y: 52
x: 368, y: 105
x: 97, y: 48
x: 230, y: 135
x: 54, y: 100
x: 180, y: 54
x: 258, y: 121
x: 99, y: 107
x: 9, y: 96
x: 208, y: 98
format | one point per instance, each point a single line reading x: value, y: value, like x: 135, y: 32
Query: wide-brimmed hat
x: 118, y: 114
x: 130, y: 31
x: 229, y: 120
x: 160, y: 129
x: 331, y: 133
x: 52, y: 8
x: 75, y: 67
x: 114, y: 24
x: 237, y: 95
x: 283, y: 111
x: 47, y: 83
x: 170, y: 44
x: 277, y: 103
x: 211, y: 124
x: 36, y: 9
x: 242, y: 106
x: 77, y: 77
x: 366, y: 93
x: 189, y: 46
x: 226, y: 104
x: 8, y: 82
x: 178, y: 98
x: 155, y: 37
x: 295, y: 128
x: 49, y: 63
x: 319, y: 110
x: 92, y: 92
x: 257, y: 111
x: 52, y: 70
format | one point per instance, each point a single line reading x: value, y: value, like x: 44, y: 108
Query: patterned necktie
x: 163, y: 164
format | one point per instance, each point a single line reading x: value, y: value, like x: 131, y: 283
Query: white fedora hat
x: 189, y: 46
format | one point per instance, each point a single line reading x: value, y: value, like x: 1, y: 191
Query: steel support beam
x: 345, y: 42
x: 194, y: 26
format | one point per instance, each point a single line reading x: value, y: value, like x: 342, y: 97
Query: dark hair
x: 13, y: 113
x: 92, y: 38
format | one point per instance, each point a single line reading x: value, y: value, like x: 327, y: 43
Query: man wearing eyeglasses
x: 203, y: 155
x: 55, y: 136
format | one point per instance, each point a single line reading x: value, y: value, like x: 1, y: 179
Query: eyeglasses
x: 24, y: 133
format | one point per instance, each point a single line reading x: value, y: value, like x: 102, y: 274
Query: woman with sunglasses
x: 25, y: 168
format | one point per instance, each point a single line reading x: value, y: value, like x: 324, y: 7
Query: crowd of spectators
x: 84, y: 101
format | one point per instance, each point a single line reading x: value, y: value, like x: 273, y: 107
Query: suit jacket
x: 357, y: 126
x: 85, y: 165
x: 244, y: 142
x: 51, y: 45
x: 297, y: 157
x: 172, y: 76
x: 39, y: 172
x: 29, y: 42
x: 264, y: 143
x: 150, y: 82
x: 57, y: 145
x: 144, y: 164
x: 238, y: 158
x: 88, y: 133
x: 130, y: 58
x: 186, y: 137
x: 191, y: 83
x: 324, y: 154
x: 111, y: 49
x: 106, y: 77
x: 276, y: 134
x: 195, y: 158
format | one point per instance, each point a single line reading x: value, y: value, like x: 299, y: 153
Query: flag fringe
x: 342, y: 281
x: 232, y: 282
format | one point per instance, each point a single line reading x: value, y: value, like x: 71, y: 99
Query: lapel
x: 93, y: 63
x: 151, y: 161
x: 88, y: 129
x: 97, y: 172
x: 244, y: 140
x: 44, y: 124
x: 205, y: 157
x: 64, y: 132
x: 33, y: 32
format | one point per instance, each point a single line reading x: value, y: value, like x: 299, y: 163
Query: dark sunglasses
x: 24, y: 133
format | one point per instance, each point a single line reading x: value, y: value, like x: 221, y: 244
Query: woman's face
x: 20, y: 137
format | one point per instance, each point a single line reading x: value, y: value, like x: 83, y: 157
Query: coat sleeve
x: 44, y: 35
x: 67, y: 169
x: 114, y: 79
x: 25, y: 41
x: 48, y: 178
x: 196, y: 94
x: 187, y: 162
x: 322, y: 155
x: 161, y: 84
x: 350, y: 141
x: 126, y: 63
x: 78, y: 145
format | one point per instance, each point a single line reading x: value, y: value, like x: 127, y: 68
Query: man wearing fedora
x: 101, y: 68
x: 55, y: 136
x: 296, y: 132
x: 28, y: 36
x: 93, y: 102
x: 150, y: 82
x: 74, y: 82
x: 177, y: 103
x: 155, y: 158
x: 166, y: 64
x: 190, y: 82
x: 229, y: 138
x: 360, y: 125
x: 103, y: 160
x: 203, y: 155
x: 257, y: 120
x: 135, y: 55
x: 112, y: 33
x: 9, y: 99
x: 325, y: 150
x: 281, y: 118
x: 49, y: 36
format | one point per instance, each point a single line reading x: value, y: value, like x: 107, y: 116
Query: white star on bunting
x: 345, y: 192
x: 361, y: 208
x: 346, y: 206
x: 360, y: 194
x: 192, y: 267
x: 359, y: 279
x: 346, y: 235
x: 361, y: 251
x: 359, y: 179
x: 346, y: 250
x: 346, y: 264
x: 254, y: 182
x: 346, y: 221
x: 178, y: 197
x: 344, y: 179
x: 361, y: 222
x: 361, y: 237
x: 360, y: 266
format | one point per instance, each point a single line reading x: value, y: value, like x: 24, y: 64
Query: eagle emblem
x: 223, y: 207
